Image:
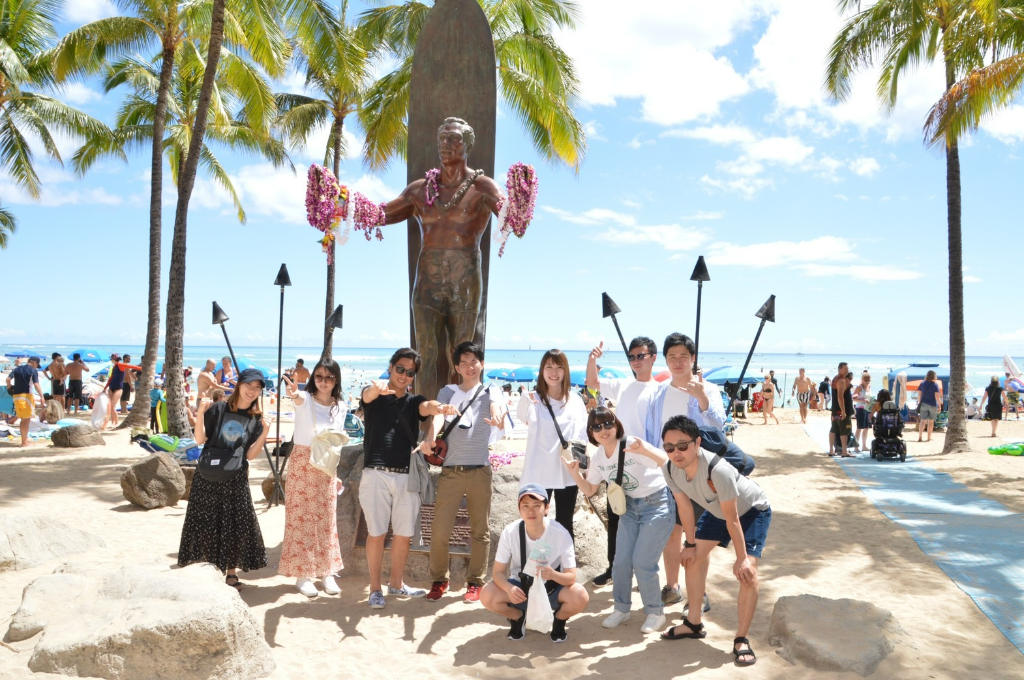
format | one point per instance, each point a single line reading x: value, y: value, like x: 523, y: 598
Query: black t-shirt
x: 995, y: 396
x: 386, y: 440
x: 846, y: 396
x: 236, y: 428
x: 22, y: 379
x: 823, y: 387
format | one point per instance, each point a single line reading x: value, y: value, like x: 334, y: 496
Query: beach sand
x: 826, y: 539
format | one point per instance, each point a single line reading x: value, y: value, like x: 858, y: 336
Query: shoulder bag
x: 616, y: 494
x: 576, y: 449
x: 440, y: 444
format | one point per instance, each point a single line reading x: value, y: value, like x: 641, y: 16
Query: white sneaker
x: 653, y: 623
x: 306, y: 587
x: 330, y: 586
x: 615, y: 619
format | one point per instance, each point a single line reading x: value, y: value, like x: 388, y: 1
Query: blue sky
x: 709, y: 135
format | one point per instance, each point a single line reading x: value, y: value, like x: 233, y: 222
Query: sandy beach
x: 826, y: 539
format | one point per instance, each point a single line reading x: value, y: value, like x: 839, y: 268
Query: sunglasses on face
x: 323, y: 378
x: 402, y: 370
x: 641, y: 356
x: 602, y: 426
x: 681, y: 445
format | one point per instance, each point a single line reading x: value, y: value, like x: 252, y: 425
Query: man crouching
x: 508, y: 596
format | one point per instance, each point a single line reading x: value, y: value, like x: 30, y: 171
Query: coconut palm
x: 901, y: 34
x: 338, y: 72
x: 536, y: 79
x: 8, y: 225
x: 26, y: 35
x: 250, y: 26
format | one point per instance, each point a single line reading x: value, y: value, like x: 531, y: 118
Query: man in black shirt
x: 392, y: 416
x: 842, y: 411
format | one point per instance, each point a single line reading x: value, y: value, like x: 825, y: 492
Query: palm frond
x: 393, y: 28
x: 16, y: 156
x: 85, y: 50
x: 967, y: 102
x: 8, y: 225
x: 383, y: 117
x: 220, y: 176
x: 300, y: 116
x: 258, y: 102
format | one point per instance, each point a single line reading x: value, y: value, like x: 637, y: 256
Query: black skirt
x: 221, y: 526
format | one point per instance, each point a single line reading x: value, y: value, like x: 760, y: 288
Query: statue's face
x: 450, y: 144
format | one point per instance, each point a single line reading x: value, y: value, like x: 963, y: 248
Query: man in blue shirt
x: 19, y: 384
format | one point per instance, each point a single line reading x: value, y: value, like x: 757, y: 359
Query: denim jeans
x: 643, y: 532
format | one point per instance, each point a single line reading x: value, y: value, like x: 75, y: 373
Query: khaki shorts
x: 841, y: 426
x: 386, y: 499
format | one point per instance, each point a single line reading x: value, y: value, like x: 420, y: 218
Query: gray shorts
x: 929, y: 412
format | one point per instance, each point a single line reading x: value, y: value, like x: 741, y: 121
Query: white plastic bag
x: 539, y: 614
x: 99, y: 410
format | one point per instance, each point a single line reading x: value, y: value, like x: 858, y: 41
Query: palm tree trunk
x: 140, y: 407
x: 328, y: 329
x: 177, y: 402
x: 956, y: 430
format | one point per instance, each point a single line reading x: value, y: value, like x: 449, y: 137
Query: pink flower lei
x: 328, y: 203
x: 516, y: 210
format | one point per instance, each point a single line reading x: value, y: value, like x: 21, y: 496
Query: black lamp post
x: 766, y: 313
x: 700, y: 275
x: 609, y: 308
x: 282, y: 280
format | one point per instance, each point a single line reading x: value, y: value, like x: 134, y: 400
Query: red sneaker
x: 437, y: 589
x: 472, y: 593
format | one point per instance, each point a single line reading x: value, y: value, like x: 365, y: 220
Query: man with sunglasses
x: 686, y: 394
x: 630, y: 396
x: 734, y: 509
x: 392, y: 416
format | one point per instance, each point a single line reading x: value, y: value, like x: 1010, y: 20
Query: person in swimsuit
x: 207, y: 381
x: 226, y: 375
x: 768, y: 392
x: 126, y: 387
x: 114, y: 387
x: 56, y: 374
x: 803, y: 388
x: 74, y: 372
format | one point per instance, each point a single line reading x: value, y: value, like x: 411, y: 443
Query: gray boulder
x: 154, y: 482
x: 76, y: 437
x: 833, y: 635
x: 142, y: 622
x: 28, y: 540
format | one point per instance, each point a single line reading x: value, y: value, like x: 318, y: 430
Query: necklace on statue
x: 433, y: 192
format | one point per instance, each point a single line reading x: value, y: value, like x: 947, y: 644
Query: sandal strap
x: 742, y: 640
x: 696, y: 628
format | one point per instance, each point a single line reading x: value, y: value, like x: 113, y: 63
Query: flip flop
x: 696, y: 632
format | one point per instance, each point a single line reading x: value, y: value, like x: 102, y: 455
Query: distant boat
x: 799, y: 354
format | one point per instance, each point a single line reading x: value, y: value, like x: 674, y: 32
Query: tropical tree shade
x: 901, y: 34
x: 536, y: 78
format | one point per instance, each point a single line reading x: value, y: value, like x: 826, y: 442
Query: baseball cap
x: 535, y: 490
x: 251, y: 375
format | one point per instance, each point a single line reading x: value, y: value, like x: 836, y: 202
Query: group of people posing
x: 677, y: 488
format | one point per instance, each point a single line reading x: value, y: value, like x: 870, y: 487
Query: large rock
x: 28, y: 540
x: 154, y: 482
x: 833, y: 635
x: 76, y: 437
x: 142, y: 622
x: 591, y: 536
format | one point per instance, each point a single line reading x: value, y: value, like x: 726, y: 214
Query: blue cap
x: 535, y: 490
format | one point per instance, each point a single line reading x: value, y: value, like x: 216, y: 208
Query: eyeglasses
x: 641, y: 356
x: 402, y: 370
x: 681, y: 445
x: 602, y: 426
x: 323, y: 378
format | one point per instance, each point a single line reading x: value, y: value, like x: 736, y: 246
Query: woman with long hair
x: 553, y: 406
x: 310, y: 548
x: 220, y: 522
x: 929, y: 397
x: 994, y: 396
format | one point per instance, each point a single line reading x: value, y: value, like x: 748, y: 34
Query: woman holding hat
x: 220, y: 523
x: 310, y: 548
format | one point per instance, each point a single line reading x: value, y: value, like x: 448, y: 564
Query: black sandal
x: 740, y: 652
x: 233, y: 581
x: 696, y: 632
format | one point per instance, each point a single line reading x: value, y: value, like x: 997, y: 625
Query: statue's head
x: 455, y: 136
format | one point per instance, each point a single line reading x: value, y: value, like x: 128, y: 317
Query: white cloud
x: 668, y: 237
x: 1007, y: 336
x: 784, y: 150
x: 1006, y: 125
x: 593, y: 131
x: 745, y: 186
x: 716, y: 134
x: 52, y: 197
x: 861, y: 272
x: 85, y: 11
x: 702, y: 215
x: 592, y: 216
x: 865, y: 167
x: 971, y: 279
x: 821, y: 249
x: 78, y: 94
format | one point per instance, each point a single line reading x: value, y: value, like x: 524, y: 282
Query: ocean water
x: 361, y: 364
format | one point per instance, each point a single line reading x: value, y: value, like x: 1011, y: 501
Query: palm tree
x: 168, y: 24
x: 902, y: 34
x: 339, y: 72
x: 536, y: 78
x: 26, y: 35
x: 8, y: 225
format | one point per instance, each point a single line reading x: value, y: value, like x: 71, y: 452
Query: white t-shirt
x: 641, y: 475
x: 631, y: 397
x: 543, y: 462
x: 312, y: 418
x: 556, y: 541
x: 677, y: 403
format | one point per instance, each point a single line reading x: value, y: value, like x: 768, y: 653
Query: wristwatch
x: 687, y: 544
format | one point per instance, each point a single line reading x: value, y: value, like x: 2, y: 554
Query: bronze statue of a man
x: 453, y: 208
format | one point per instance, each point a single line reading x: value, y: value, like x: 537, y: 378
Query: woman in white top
x: 310, y: 548
x: 861, y: 397
x: 543, y: 463
x: 644, y: 528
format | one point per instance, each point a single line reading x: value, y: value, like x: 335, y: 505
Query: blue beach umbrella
x: 499, y: 374
x: 522, y: 374
x: 731, y: 374
x: 578, y: 378
x: 21, y: 353
x: 609, y: 372
x: 385, y: 375
x: 268, y: 374
x: 89, y: 355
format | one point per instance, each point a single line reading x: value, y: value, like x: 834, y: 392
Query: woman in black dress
x: 220, y: 522
x: 994, y: 395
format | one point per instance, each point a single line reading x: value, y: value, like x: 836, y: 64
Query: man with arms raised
x: 630, y: 396
x: 734, y: 509
x: 802, y: 388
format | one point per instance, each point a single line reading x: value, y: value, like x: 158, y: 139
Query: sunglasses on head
x: 641, y: 356
x: 597, y: 427
x: 402, y: 370
x: 681, y: 445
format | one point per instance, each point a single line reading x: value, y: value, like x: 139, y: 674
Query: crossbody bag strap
x: 455, y: 421
x: 558, y: 429
x: 522, y: 545
x: 622, y: 461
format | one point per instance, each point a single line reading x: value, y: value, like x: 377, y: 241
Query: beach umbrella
x: 386, y: 375
x: 663, y: 376
x: 22, y: 353
x: 90, y: 355
x: 499, y: 374
x: 522, y: 374
x: 731, y: 374
x: 269, y: 375
x: 578, y: 378
x: 610, y: 373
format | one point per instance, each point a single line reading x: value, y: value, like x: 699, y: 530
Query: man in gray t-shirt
x: 735, y: 510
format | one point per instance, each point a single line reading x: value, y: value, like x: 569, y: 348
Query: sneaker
x: 615, y: 618
x: 437, y: 589
x: 654, y: 622
x: 472, y: 593
x: 406, y: 591
x: 376, y: 600
x: 306, y: 587
x: 558, y: 630
x: 670, y: 595
x: 705, y: 608
x: 516, y: 632
x: 330, y: 585
x: 603, y: 579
